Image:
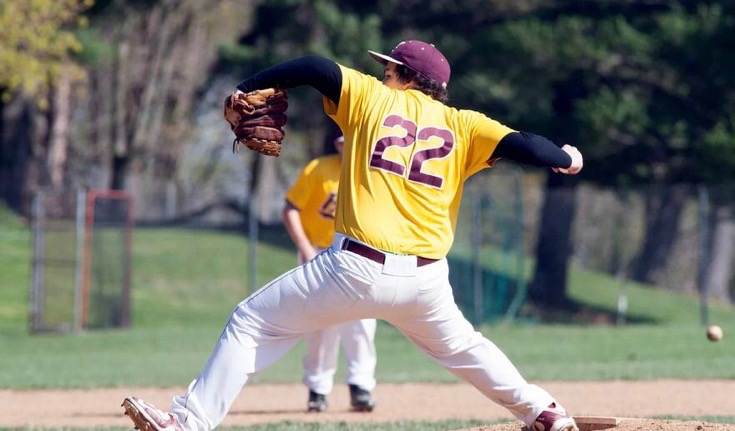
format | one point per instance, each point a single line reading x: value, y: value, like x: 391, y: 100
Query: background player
x: 309, y: 219
x: 406, y: 157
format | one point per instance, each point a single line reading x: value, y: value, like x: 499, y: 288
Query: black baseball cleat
x: 317, y: 402
x: 361, y: 400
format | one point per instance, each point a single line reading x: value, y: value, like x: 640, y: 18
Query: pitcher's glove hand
x: 257, y: 119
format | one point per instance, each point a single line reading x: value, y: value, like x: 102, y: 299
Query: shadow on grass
x: 574, y: 312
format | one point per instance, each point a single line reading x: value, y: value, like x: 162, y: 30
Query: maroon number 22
x: 418, y: 159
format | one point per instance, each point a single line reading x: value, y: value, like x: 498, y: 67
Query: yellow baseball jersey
x: 406, y: 158
x: 315, y: 195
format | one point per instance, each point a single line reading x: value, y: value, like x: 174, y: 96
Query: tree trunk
x: 35, y: 175
x: 135, y: 112
x: 664, y: 205
x: 267, y: 190
x: 554, y: 247
x: 722, y: 239
x: 60, y: 116
x: 121, y: 153
x: 263, y: 182
x: 98, y: 146
x: 15, y: 151
x: 619, y: 263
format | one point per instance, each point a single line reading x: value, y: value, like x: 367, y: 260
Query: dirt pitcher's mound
x: 263, y: 403
x: 628, y: 424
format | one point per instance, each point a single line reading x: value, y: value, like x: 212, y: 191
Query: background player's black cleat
x: 361, y: 400
x: 317, y: 402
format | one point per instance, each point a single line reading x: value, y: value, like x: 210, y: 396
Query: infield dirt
x: 260, y: 403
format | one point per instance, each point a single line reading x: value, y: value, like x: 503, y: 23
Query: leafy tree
x: 144, y: 63
x: 644, y: 88
x: 287, y: 29
x: 36, y: 42
x: 37, y: 70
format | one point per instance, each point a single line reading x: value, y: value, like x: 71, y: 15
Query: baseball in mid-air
x: 714, y: 333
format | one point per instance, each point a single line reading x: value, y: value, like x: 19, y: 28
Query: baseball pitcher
x: 406, y: 158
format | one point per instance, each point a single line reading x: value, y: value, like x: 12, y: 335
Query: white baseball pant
x: 339, y: 286
x: 322, y: 353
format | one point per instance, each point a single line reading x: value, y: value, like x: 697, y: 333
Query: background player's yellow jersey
x: 406, y: 157
x: 315, y: 195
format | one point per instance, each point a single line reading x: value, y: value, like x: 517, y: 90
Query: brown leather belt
x: 376, y: 255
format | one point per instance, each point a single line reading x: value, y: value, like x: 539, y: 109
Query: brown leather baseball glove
x: 257, y: 119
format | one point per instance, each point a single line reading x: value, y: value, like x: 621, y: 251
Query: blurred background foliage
x: 127, y: 95
x: 37, y: 43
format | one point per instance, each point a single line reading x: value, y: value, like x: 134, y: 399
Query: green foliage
x: 717, y: 150
x: 237, y: 54
x: 647, y: 92
x: 287, y: 29
x: 35, y: 44
x: 95, y: 50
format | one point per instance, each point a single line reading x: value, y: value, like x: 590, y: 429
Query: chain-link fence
x: 678, y: 237
x: 56, y: 262
x: 487, y: 261
x: 81, y: 260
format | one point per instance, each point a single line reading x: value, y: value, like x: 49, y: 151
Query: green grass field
x: 186, y: 283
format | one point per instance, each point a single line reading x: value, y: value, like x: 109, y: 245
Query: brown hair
x: 422, y: 83
x: 332, y: 133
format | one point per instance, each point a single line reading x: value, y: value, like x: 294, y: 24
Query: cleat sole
x: 139, y: 419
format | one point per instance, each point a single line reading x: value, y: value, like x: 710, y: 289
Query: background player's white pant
x: 322, y: 352
x: 339, y: 286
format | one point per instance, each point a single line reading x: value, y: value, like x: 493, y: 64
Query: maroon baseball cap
x: 419, y: 56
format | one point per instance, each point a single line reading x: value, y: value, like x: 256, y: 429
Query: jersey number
x: 418, y: 159
x: 329, y: 207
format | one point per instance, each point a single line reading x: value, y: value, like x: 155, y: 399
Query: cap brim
x: 382, y: 58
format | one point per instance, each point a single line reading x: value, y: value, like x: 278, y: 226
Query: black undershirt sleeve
x: 326, y: 77
x: 313, y: 70
x: 532, y: 150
